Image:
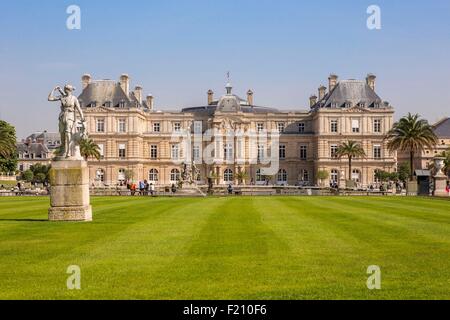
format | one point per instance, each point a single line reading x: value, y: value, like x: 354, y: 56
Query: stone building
x: 139, y: 142
x: 37, y: 148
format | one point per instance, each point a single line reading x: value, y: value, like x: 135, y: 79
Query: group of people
x: 142, y: 187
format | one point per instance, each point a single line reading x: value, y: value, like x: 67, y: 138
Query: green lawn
x: 229, y: 248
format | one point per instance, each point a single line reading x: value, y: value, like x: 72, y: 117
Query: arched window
x: 356, y: 175
x: 282, y: 175
x: 153, y: 175
x: 100, y: 175
x: 228, y: 175
x: 175, y: 175
x: 121, y: 176
x: 334, y: 175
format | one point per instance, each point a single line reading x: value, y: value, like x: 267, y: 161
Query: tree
x: 40, y: 177
x: 411, y: 134
x: 88, y: 148
x: 322, y: 175
x: 129, y: 174
x: 350, y: 149
x: 28, y: 175
x: 8, y: 150
x: 40, y: 173
x: 404, y: 171
x: 241, y: 176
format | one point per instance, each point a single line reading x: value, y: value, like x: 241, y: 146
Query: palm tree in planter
x: 241, y: 176
x: 350, y: 149
x: 411, y: 134
x: 88, y: 148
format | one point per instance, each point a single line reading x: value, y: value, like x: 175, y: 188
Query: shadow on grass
x: 25, y: 220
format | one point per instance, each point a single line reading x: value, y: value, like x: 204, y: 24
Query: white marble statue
x: 71, y: 127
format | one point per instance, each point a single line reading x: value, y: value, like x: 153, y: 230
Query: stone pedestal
x: 440, y: 183
x: 69, y: 193
x: 412, y: 188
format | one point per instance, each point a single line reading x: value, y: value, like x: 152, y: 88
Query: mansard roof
x: 350, y: 93
x: 36, y: 148
x: 102, y: 92
x: 442, y: 128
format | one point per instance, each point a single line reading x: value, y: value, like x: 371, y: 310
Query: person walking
x: 174, y: 188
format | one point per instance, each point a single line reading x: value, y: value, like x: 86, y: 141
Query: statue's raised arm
x: 52, y: 97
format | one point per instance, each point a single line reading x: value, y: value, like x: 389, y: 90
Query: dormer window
x: 108, y: 104
x: 93, y: 104
x: 362, y: 104
x: 122, y: 104
x: 376, y: 105
x: 334, y: 105
x: 348, y: 104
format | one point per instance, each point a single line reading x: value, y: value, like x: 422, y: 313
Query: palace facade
x: 137, y: 140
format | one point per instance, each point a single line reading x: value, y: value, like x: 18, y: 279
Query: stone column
x: 440, y: 179
x: 69, y: 194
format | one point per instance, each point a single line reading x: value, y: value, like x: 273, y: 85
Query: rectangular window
x: 198, y: 127
x: 122, y: 151
x: 301, y: 127
x: 355, y: 126
x: 196, y: 153
x: 100, y: 127
x: 175, y: 151
x: 177, y: 127
x: 377, y: 152
x: 156, y: 127
x: 282, y: 152
x: 303, y: 152
x: 280, y: 127
x: 260, y: 152
x: 334, y: 126
x: 121, y: 126
x: 101, y: 149
x: 260, y: 127
x: 228, y: 151
x: 377, y: 125
x: 333, y: 150
x: 154, y: 151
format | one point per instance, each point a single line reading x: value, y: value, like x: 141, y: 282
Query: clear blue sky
x: 282, y: 50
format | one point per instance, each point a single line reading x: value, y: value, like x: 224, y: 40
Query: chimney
x: 210, y: 97
x: 125, y: 83
x: 150, y: 102
x: 332, y: 81
x: 85, y: 80
x: 312, y: 100
x: 370, y: 79
x: 250, y: 97
x: 138, y: 93
x: 322, y: 91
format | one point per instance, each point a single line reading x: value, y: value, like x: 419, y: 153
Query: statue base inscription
x: 69, y: 193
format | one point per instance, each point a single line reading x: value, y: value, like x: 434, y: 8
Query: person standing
x: 152, y: 189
